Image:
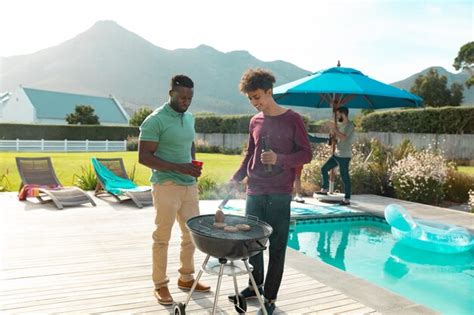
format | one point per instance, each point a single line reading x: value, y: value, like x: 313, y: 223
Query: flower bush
x: 365, y: 170
x: 420, y: 177
x: 312, y: 171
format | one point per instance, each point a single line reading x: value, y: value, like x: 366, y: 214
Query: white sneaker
x: 298, y: 199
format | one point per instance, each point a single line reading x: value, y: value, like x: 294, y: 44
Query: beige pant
x: 173, y: 202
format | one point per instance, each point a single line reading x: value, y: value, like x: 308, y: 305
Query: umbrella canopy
x: 343, y: 86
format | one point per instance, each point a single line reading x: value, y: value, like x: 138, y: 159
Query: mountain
x: 108, y: 59
x: 460, y: 78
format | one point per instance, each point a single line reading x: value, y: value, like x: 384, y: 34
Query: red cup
x: 197, y: 163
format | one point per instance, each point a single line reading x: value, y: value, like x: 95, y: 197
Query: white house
x: 34, y: 106
x: 4, y: 97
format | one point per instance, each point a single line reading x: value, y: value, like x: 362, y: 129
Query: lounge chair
x: 112, y: 179
x: 39, y: 180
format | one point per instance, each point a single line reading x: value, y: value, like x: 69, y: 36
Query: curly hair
x: 254, y: 79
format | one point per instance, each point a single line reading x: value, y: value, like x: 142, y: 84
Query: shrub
x: 457, y: 186
x: 312, y: 171
x: 207, y: 187
x: 420, y: 177
x: 204, y: 147
x: 4, y: 182
x: 139, y: 116
x: 87, y: 180
x: 132, y: 143
x: 70, y: 132
x: 222, y: 124
x: 450, y: 120
x: 362, y: 178
x: 131, y: 174
x: 471, y: 200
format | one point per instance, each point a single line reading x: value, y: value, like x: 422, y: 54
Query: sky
x: 387, y: 40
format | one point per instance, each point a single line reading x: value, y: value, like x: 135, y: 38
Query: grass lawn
x: 220, y: 167
x: 466, y: 169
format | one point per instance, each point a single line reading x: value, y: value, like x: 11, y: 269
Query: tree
x: 456, y: 94
x: 432, y: 88
x: 139, y: 116
x: 465, y: 61
x: 83, y: 115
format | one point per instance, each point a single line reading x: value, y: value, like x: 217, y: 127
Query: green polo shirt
x: 174, y: 133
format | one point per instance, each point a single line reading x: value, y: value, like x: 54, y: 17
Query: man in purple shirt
x: 278, y: 143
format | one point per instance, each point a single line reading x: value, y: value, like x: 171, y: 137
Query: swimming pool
x: 364, y: 247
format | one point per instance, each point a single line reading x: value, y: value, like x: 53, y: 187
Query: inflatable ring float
x: 427, y: 235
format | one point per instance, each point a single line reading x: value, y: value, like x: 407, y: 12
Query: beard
x: 177, y: 108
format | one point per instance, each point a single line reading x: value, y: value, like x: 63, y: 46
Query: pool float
x: 426, y: 235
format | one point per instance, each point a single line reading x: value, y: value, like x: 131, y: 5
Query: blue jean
x: 273, y: 209
x: 343, y: 164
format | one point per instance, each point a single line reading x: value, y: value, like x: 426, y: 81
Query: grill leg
x: 236, y: 288
x: 196, y: 280
x: 219, y: 280
x: 254, y: 285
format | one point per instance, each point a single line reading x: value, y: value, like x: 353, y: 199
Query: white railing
x: 62, y: 145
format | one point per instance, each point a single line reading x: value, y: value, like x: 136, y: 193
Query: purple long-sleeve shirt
x: 287, y: 137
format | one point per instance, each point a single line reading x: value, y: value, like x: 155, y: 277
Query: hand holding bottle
x: 268, y: 157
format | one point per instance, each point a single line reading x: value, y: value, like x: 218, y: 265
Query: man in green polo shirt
x: 166, y: 145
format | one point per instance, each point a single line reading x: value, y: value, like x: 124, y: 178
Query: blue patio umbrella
x: 343, y: 86
x: 338, y: 86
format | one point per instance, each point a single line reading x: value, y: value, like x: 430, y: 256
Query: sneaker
x: 163, y: 296
x: 187, y: 285
x: 247, y: 293
x: 322, y: 192
x: 298, y: 199
x: 345, y: 202
x: 269, y: 306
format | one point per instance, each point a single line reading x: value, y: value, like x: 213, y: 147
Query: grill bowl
x: 232, y: 246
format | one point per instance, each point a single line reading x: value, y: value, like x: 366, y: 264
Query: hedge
x: 204, y: 124
x: 444, y: 120
x: 222, y: 124
x: 69, y: 132
x: 226, y: 124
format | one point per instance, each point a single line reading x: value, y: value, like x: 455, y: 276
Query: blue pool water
x: 364, y: 247
x: 297, y: 209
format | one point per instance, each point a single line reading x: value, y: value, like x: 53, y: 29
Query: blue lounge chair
x: 112, y: 179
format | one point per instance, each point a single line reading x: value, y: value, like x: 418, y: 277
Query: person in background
x: 277, y: 144
x: 344, y: 135
x: 166, y: 145
x: 298, y: 170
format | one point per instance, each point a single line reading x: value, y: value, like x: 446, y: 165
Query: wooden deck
x: 98, y: 260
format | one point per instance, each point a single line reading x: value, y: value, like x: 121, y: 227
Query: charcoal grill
x: 232, y: 251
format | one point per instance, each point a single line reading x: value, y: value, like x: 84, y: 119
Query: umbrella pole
x: 332, y: 174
